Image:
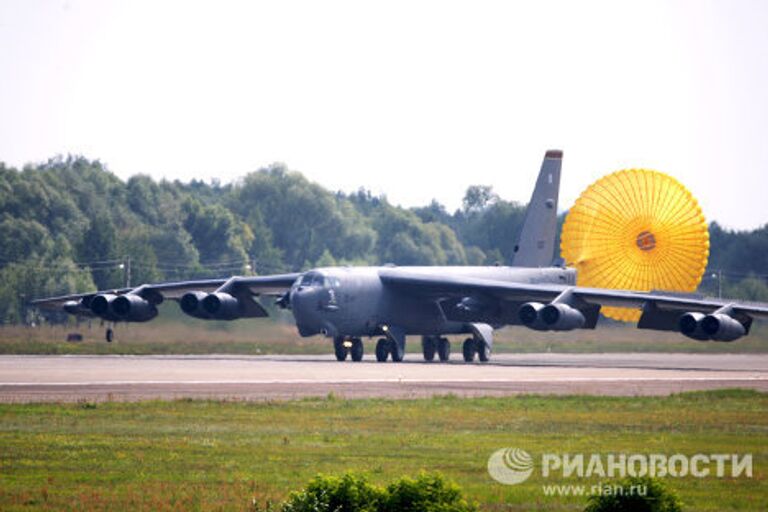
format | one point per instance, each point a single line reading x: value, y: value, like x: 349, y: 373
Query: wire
x: 189, y: 269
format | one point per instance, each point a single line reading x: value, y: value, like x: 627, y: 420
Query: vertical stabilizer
x: 536, y: 244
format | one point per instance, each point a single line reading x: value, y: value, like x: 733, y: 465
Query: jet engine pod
x: 561, y: 317
x: 221, y: 306
x: 690, y: 326
x: 529, y: 315
x: 191, y: 304
x: 100, y: 306
x: 133, y: 308
x: 721, y: 327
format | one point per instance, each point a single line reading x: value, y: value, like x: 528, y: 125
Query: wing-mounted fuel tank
x: 565, y: 313
x: 231, y: 301
x: 80, y: 307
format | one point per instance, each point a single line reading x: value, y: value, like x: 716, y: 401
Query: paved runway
x: 72, y: 378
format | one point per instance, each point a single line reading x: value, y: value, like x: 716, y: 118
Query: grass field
x: 175, y: 333
x: 203, y: 455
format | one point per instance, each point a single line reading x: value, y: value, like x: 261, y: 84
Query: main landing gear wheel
x: 386, y: 347
x: 443, y: 349
x: 382, y: 349
x: 483, y: 351
x: 428, y: 347
x: 109, y: 335
x: 469, y: 349
x: 397, y: 351
x: 339, y: 349
x: 356, y: 351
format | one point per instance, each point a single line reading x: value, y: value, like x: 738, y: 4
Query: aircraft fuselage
x: 353, y: 301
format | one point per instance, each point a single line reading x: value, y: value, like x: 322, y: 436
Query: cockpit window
x: 313, y: 279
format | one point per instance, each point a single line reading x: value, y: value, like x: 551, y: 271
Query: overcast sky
x: 413, y: 99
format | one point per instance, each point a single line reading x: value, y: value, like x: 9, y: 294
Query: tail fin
x: 536, y: 244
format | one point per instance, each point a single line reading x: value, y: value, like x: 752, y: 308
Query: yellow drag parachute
x: 636, y: 229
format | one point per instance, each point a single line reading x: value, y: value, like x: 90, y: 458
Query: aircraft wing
x: 251, y: 286
x: 171, y: 289
x: 470, y: 299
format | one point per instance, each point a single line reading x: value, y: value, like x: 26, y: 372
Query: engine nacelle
x: 192, y: 304
x: 690, y: 326
x: 133, y: 308
x: 528, y: 314
x: 721, y: 327
x: 561, y: 317
x: 101, y: 307
x: 221, y: 306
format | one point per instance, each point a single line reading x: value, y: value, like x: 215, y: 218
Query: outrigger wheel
x: 636, y: 229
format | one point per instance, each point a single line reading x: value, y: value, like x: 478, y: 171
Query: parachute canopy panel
x: 636, y: 229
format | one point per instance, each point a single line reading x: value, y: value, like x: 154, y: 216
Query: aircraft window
x: 313, y: 279
x: 331, y: 282
x: 307, y: 278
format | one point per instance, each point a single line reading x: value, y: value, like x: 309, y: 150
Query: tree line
x: 70, y: 225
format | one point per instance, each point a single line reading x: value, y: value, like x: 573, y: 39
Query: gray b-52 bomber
x: 347, y: 304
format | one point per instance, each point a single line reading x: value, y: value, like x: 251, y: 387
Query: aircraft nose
x: 303, y: 296
x: 304, y: 303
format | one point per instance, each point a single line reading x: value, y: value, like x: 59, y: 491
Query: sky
x: 413, y: 99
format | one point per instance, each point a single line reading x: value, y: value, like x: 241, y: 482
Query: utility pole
x: 719, y: 276
x: 127, y: 271
x: 720, y: 283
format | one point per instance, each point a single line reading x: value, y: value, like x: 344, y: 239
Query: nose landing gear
x: 351, y: 346
x: 339, y: 349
